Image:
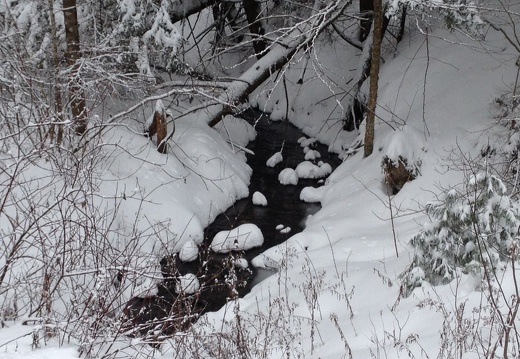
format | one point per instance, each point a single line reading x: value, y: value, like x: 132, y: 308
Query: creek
x: 220, y: 279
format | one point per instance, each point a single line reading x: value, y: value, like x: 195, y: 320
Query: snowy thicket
x: 474, y: 229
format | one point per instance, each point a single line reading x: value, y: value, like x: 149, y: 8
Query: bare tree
x: 72, y: 55
x: 374, y: 76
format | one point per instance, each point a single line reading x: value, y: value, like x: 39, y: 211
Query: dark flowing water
x: 284, y: 207
x: 284, y: 204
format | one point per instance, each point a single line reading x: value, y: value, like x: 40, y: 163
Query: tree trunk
x: 356, y: 107
x: 252, y: 10
x: 76, y: 96
x: 374, y: 77
x: 58, y: 105
x: 180, y: 10
x: 366, y: 8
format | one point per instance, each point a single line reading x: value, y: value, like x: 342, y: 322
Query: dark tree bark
x: 374, y: 77
x: 76, y: 96
x: 58, y: 105
x: 357, y: 109
x: 180, y: 10
x: 239, y: 90
x: 366, y: 9
x: 252, y: 10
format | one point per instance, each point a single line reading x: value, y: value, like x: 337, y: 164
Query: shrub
x: 472, y: 230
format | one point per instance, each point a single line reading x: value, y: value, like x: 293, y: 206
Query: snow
x: 340, y: 275
x: 188, y: 284
x: 311, y: 154
x: 259, y: 199
x: 307, y: 169
x: 285, y: 230
x: 274, y: 159
x: 189, y: 251
x: 244, y: 237
x: 311, y: 194
x: 288, y: 176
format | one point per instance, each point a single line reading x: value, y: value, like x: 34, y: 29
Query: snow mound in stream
x: 259, y: 199
x: 274, y: 159
x: 244, y: 237
x: 307, y: 169
x: 288, y: 176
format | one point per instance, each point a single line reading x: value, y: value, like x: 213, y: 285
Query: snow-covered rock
x: 244, y: 237
x: 189, y: 251
x: 241, y: 263
x: 311, y: 194
x: 188, y: 283
x: 274, y: 159
x: 311, y: 154
x: 259, y: 199
x: 288, y: 176
x: 285, y: 230
x: 307, y: 169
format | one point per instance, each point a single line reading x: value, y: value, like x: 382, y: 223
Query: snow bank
x: 244, y: 237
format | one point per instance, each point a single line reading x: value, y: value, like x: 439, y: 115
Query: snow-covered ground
x: 336, y: 292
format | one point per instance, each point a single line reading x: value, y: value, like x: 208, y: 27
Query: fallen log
x: 281, y: 52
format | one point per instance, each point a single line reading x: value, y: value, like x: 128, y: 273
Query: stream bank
x: 224, y: 276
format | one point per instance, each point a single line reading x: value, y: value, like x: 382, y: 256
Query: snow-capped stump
x: 189, y: 251
x: 274, y: 159
x: 188, y: 284
x: 259, y: 199
x: 398, y: 172
x: 307, y: 169
x: 288, y: 176
x: 156, y: 125
x: 244, y: 237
